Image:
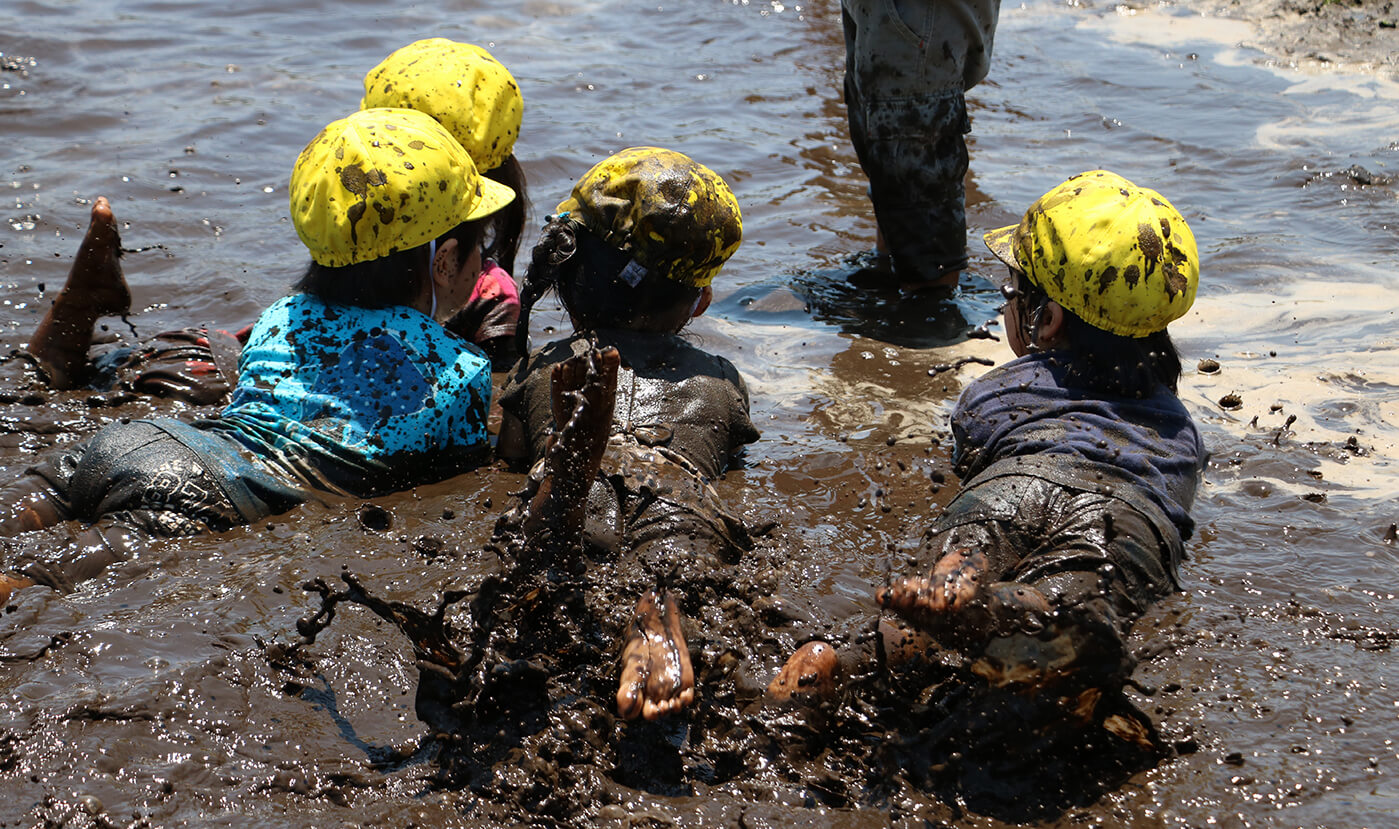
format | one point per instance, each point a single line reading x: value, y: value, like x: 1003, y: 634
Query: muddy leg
x: 95, y: 288
x: 808, y: 675
x: 27, y: 505
x: 584, y: 391
x: 656, y: 675
x: 1011, y: 633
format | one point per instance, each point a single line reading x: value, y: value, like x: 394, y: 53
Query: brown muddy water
x: 163, y: 694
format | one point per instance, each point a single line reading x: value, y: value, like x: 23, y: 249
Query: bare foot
x: 9, y: 584
x: 96, y: 273
x: 656, y: 675
x: 95, y: 288
x: 809, y: 674
x: 583, y: 391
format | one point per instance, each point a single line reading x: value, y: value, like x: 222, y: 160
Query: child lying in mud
x: 462, y: 87
x: 1079, y: 463
x: 632, y: 255
x: 349, y: 386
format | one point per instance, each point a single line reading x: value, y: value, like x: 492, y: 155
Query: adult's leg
x: 907, y: 68
x: 95, y: 288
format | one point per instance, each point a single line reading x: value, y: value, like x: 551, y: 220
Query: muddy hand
x: 807, y: 675
x: 656, y: 675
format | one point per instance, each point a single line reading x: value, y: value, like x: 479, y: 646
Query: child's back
x: 669, y: 394
x: 632, y: 254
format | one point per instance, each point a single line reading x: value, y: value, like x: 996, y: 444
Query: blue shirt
x: 357, y: 399
x: 1025, y: 408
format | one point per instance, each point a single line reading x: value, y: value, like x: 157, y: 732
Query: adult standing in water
x: 908, y: 65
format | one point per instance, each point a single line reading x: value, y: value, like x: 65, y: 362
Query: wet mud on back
x: 173, y: 688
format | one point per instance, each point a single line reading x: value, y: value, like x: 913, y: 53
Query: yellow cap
x: 469, y: 92
x: 382, y: 181
x: 675, y: 216
x: 1119, y: 256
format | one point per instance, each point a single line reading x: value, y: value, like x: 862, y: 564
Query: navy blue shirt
x: 1025, y: 408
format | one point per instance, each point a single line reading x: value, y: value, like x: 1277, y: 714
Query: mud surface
x: 1356, y: 35
x: 170, y: 691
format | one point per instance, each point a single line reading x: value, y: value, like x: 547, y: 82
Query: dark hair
x: 1101, y: 360
x: 507, y: 225
x: 586, y: 273
x: 396, y: 279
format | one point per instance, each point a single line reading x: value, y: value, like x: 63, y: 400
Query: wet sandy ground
x: 162, y: 693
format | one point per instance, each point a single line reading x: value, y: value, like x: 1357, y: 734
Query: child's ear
x: 1051, y: 325
x: 706, y: 296
x: 444, y: 264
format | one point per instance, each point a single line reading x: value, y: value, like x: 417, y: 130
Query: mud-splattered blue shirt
x: 360, y: 400
x: 1025, y: 408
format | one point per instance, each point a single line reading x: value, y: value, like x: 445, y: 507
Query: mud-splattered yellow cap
x: 469, y: 92
x: 675, y: 216
x: 1119, y: 256
x: 382, y: 181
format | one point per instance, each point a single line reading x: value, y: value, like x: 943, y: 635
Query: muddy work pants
x: 908, y: 64
x: 82, y: 509
x: 1088, y: 543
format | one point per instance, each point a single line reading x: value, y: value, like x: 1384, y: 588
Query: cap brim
x: 1001, y: 242
x: 494, y: 196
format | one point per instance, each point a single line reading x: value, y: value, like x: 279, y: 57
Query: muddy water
x: 150, y: 696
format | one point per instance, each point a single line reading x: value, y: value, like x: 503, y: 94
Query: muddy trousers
x: 908, y: 64
x: 1101, y: 548
x: 84, y: 508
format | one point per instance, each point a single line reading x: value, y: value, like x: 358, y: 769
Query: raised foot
x: 808, y: 675
x: 656, y: 675
x: 583, y: 391
x: 96, y: 279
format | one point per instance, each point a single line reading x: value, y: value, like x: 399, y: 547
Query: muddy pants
x: 131, y: 482
x: 908, y: 64
x: 1083, y: 539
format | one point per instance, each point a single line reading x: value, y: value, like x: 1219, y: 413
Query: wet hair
x: 396, y: 279
x: 507, y: 225
x: 1101, y: 360
x: 586, y: 273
